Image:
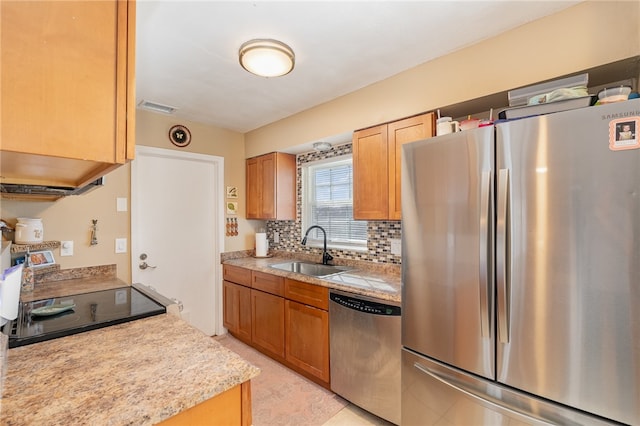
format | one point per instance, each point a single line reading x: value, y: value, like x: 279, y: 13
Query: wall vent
x: 156, y: 107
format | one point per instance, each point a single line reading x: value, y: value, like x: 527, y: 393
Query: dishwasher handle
x: 365, y: 306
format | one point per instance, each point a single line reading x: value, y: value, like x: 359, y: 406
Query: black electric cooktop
x: 52, y: 318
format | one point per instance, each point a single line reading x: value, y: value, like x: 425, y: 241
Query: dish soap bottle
x: 27, y: 275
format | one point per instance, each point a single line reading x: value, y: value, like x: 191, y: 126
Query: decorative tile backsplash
x: 290, y: 231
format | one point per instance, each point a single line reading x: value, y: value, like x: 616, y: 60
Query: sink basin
x: 312, y: 269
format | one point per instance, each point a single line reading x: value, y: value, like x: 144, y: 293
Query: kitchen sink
x: 312, y: 269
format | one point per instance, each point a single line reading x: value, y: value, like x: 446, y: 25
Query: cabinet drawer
x: 237, y: 275
x: 268, y: 283
x: 308, y: 294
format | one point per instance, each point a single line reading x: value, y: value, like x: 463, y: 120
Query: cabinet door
x: 285, y: 196
x: 67, y: 88
x: 271, y: 187
x: 237, y: 310
x: 307, y: 339
x: 267, y: 323
x: 231, y: 306
x: 244, y: 313
x: 370, y: 174
x: 254, y: 192
x: 268, y: 187
x: 401, y: 132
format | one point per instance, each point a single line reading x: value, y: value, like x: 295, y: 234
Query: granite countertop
x: 366, y: 279
x: 137, y: 373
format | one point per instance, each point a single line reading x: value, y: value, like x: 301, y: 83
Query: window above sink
x: 327, y: 201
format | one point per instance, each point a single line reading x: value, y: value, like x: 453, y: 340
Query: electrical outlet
x: 121, y: 245
x: 396, y: 246
x: 66, y: 248
x: 276, y: 237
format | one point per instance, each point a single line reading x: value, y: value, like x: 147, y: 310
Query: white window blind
x: 329, y: 204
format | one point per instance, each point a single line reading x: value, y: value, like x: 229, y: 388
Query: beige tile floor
x: 269, y: 389
x: 352, y: 415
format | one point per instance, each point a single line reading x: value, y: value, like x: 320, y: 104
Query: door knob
x: 145, y: 265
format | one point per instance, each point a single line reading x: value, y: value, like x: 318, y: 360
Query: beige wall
x: 70, y: 219
x: 152, y: 130
x: 581, y: 37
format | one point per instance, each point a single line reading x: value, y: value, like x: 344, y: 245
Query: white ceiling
x: 187, y: 51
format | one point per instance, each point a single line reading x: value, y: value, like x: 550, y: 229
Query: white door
x: 177, y: 222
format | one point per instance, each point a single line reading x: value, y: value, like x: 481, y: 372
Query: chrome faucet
x: 326, y: 257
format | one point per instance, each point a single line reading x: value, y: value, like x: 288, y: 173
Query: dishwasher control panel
x: 366, y: 306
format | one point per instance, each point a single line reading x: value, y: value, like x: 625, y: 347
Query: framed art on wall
x: 232, y: 192
x: 180, y: 136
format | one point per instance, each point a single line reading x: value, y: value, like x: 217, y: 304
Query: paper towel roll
x: 262, y: 246
x: 10, y: 292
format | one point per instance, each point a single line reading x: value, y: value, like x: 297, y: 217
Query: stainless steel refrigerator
x: 521, y: 272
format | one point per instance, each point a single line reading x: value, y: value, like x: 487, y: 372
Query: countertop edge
x: 263, y: 265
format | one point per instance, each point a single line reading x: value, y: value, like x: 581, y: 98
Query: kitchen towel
x: 262, y: 246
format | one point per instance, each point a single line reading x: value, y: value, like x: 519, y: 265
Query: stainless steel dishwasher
x: 365, y: 350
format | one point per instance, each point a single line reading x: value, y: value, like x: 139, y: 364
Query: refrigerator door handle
x: 453, y: 383
x: 485, y: 216
x: 502, y: 256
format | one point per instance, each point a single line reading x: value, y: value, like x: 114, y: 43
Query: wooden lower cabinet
x: 307, y: 338
x: 267, y: 322
x: 237, y: 310
x: 285, y: 319
x: 232, y: 407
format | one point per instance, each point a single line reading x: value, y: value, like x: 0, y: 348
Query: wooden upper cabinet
x: 271, y: 187
x: 377, y: 168
x: 401, y: 132
x: 68, y: 91
x: 370, y: 171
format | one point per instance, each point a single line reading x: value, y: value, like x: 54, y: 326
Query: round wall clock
x: 180, y: 136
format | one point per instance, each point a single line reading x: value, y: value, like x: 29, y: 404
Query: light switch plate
x: 121, y: 204
x: 121, y: 245
x: 66, y: 248
x: 396, y: 246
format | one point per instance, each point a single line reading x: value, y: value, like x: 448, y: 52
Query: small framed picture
x: 232, y: 207
x: 41, y: 258
x: 623, y: 133
x: 232, y: 192
x: 180, y: 136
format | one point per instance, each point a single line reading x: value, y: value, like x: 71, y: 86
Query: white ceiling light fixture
x: 321, y: 146
x: 266, y: 57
